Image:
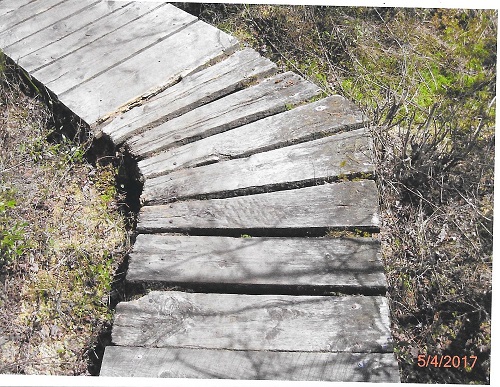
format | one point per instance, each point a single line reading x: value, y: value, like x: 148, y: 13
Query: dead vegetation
x: 62, y: 239
x: 427, y: 78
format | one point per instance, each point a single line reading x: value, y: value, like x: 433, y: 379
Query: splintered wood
x: 254, y: 322
x: 304, y: 123
x: 193, y: 91
x: 105, y: 45
x: 264, y: 99
x: 259, y: 205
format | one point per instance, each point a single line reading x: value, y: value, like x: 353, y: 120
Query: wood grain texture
x: 7, y: 6
x: 155, y: 68
x: 341, y: 264
x: 345, y: 204
x: 42, y: 21
x: 310, y: 163
x: 303, y: 123
x: 254, y: 322
x: 193, y: 91
x: 94, y: 28
x: 249, y: 365
x: 100, y: 58
x: 42, y: 44
x: 113, y: 48
x: 25, y: 12
x: 264, y: 99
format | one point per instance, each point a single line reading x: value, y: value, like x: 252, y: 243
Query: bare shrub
x: 427, y: 79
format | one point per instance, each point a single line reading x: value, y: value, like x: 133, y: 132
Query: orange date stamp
x: 446, y: 361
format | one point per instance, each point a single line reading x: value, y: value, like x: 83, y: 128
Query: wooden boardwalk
x: 250, y: 181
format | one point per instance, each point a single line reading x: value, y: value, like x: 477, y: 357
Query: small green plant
x: 348, y: 233
x: 104, y: 182
x: 62, y: 238
x: 427, y: 80
x: 12, y: 240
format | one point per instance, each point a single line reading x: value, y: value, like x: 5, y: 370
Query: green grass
x: 427, y: 79
x: 13, y: 243
x: 62, y: 238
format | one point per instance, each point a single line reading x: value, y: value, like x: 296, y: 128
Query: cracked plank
x: 308, y: 163
x: 254, y: 322
x: 158, y: 66
x: 264, y: 99
x: 303, y: 123
x: 191, y: 92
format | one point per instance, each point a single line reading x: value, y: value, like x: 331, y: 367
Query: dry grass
x: 62, y: 239
x: 437, y: 244
x: 427, y: 78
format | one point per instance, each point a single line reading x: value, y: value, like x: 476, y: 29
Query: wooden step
x: 264, y: 99
x: 249, y: 365
x: 308, y: 163
x: 265, y: 187
x: 336, y: 205
x: 43, y: 20
x: 7, y: 6
x: 148, y: 28
x: 166, y: 62
x: 26, y: 12
x: 254, y: 322
x: 293, y: 265
x: 191, y: 92
x: 93, y: 24
x: 304, y: 123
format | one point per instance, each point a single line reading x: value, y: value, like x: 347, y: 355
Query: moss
x: 431, y: 74
x: 70, y: 240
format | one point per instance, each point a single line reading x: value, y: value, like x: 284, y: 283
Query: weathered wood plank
x: 41, y: 21
x: 297, y: 165
x: 95, y: 28
x: 266, y: 98
x: 59, y: 30
x: 154, y: 68
x: 307, y: 122
x: 113, y: 48
x: 193, y: 91
x: 28, y: 11
x: 345, y: 204
x: 13, y: 4
x: 249, y: 365
x: 346, y: 264
x: 7, y: 6
x: 254, y: 322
